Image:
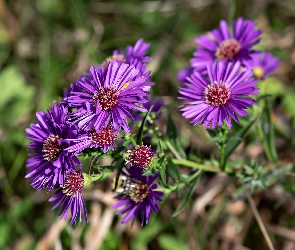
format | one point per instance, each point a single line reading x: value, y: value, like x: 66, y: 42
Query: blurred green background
x: 45, y: 45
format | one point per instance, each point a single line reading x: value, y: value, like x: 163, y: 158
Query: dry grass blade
x: 260, y: 223
x: 51, y: 236
x: 282, y: 231
x: 105, y: 223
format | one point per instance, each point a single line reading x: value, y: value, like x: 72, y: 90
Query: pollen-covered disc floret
x: 106, y: 97
x: 105, y: 139
x: 137, y: 194
x: 106, y: 136
x: 49, y: 139
x: 140, y: 156
x: 221, y: 97
x: 228, y: 49
x: 221, y: 44
x: 263, y: 64
x: 217, y: 94
x: 70, y: 197
x: 51, y: 148
x: 74, y: 184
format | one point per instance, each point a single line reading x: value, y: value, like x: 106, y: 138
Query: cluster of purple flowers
x: 219, y: 81
x: 102, y: 102
x: 92, y: 113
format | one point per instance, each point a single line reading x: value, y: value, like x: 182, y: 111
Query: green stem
x: 133, y: 142
x: 172, y: 149
x: 222, y: 156
x: 222, y: 147
x: 231, y: 13
x: 195, y: 165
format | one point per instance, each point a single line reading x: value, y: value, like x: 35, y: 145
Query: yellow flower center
x: 258, y: 72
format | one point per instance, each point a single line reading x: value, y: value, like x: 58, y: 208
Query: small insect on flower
x: 222, y: 45
x: 221, y: 98
x: 49, y: 138
x: 137, y: 195
x: 70, y: 197
x: 262, y: 64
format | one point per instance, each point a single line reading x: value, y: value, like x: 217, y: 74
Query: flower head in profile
x: 221, y: 97
x: 50, y: 162
x: 104, y: 139
x: 262, y: 64
x: 156, y: 104
x: 108, y: 97
x: 69, y: 197
x: 184, y: 73
x: 137, y: 195
x: 223, y: 45
x: 135, y: 56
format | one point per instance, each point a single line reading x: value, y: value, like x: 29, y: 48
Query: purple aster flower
x: 104, y: 139
x: 185, y: 72
x: 134, y: 56
x: 221, y: 97
x: 157, y: 104
x: 74, y: 87
x: 262, y: 64
x: 49, y: 138
x: 222, y: 45
x: 70, y: 198
x: 137, y: 194
x: 140, y: 156
x: 108, y: 97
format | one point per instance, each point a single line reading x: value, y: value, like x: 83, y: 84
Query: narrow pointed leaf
x: 120, y: 164
x: 172, y: 170
x: 173, y: 137
x: 231, y: 145
x: 268, y: 134
x: 188, y: 193
x: 140, y: 131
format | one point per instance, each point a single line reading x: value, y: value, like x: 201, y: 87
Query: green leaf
x: 213, y: 139
x: 163, y: 175
x: 212, y: 133
x: 231, y: 145
x: 267, y: 129
x: 268, y: 178
x: 159, y: 147
x: 149, y: 172
x: 117, y: 151
x: 15, y: 97
x: 140, y: 131
x: 170, y: 242
x: 171, y: 128
x: 188, y: 193
x: 146, y: 234
x: 120, y: 165
x: 172, y: 170
x: 173, y: 137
